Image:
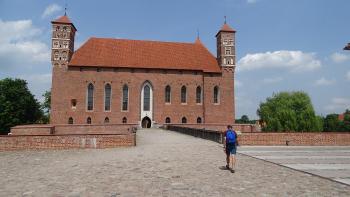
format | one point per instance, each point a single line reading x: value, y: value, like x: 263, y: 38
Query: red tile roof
x: 106, y: 52
x: 63, y: 20
x: 226, y: 28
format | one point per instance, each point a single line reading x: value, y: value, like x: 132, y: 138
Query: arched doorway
x: 146, y: 122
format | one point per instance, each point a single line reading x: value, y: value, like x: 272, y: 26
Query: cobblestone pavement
x: 164, y: 163
x: 326, y: 161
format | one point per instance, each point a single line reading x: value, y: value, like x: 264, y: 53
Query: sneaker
x: 232, y: 171
x: 227, y: 167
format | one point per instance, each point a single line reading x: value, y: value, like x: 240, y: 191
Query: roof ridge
x: 125, y: 39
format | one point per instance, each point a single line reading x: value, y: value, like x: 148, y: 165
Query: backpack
x: 230, y: 136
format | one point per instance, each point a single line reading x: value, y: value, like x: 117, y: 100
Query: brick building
x: 148, y: 83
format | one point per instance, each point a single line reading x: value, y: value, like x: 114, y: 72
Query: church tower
x: 63, y: 32
x: 225, y: 42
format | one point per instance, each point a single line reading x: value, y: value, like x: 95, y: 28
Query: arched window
x: 125, y: 97
x: 70, y: 120
x: 216, y: 94
x: 167, y: 94
x: 146, y: 98
x: 183, y: 94
x: 125, y: 120
x: 88, y: 120
x: 106, y: 120
x: 64, y: 55
x: 199, y: 120
x: 108, y: 97
x: 199, y: 94
x: 184, y: 120
x: 167, y: 120
x: 90, y: 97
x: 56, y: 55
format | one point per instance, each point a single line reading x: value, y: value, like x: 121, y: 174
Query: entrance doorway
x: 146, y: 122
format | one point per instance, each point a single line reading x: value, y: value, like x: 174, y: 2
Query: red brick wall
x: 295, y: 139
x: 65, y: 141
x: 72, y: 84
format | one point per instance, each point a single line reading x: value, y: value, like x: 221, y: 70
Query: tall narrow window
x: 107, y: 97
x: 146, y: 98
x: 70, y: 120
x: 199, y: 95
x: 167, y: 94
x: 125, y: 97
x: 184, y: 120
x: 88, y: 120
x: 216, y: 94
x: 90, y: 97
x: 167, y: 120
x: 183, y: 94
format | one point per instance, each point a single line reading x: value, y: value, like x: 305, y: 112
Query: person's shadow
x: 223, y: 168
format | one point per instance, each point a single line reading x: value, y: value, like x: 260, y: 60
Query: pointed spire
x: 65, y: 8
x: 197, y: 33
x: 225, y: 20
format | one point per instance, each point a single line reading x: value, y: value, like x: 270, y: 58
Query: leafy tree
x: 46, y: 107
x: 17, y: 104
x: 245, y: 120
x: 289, y: 111
x: 331, y: 122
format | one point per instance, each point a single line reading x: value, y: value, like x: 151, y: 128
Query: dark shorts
x: 231, y: 148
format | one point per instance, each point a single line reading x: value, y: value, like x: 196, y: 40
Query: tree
x: 289, y: 111
x: 17, y: 105
x: 331, y: 122
x: 46, y: 107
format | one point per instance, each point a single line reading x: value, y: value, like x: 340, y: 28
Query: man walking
x: 230, y: 147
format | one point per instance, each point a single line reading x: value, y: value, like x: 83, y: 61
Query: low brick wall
x: 244, y: 128
x: 273, y: 139
x: 27, y: 142
x: 295, y: 139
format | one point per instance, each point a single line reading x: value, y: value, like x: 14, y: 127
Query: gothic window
x: 125, y: 120
x: 108, y: 97
x: 167, y: 94
x: 57, y: 28
x: 55, y: 44
x: 216, y: 94
x: 146, y: 98
x: 64, y: 55
x: 184, y: 120
x: 167, y: 120
x: 64, y: 28
x: 199, y: 120
x: 227, y: 51
x: 183, y: 94
x: 125, y: 97
x: 230, y: 42
x: 199, y: 94
x: 225, y: 42
x: 70, y: 120
x: 88, y: 120
x: 65, y: 45
x: 90, y: 97
x: 228, y: 61
x: 106, y: 120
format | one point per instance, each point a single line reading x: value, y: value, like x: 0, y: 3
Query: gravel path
x: 164, y: 163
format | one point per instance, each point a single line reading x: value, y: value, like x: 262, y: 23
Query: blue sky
x: 282, y: 45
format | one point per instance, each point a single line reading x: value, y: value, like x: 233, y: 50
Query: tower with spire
x: 226, y: 52
x: 63, y: 33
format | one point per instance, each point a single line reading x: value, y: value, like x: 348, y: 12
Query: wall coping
x: 53, y: 135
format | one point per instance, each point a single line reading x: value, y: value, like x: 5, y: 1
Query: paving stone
x: 164, y: 163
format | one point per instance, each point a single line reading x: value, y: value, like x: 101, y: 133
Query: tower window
x: 199, y: 120
x: 125, y: 98
x: 184, y: 120
x: 90, y: 97
x: 183, y: 94
x: 55, y: 57
x: 199, y: 95
x: 146, y: 98
x: 167, y: 120
x: 227, y: 51
x: 167, y: 94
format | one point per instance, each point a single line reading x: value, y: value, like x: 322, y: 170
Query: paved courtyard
x: 329, y: 162
x: 164, y: 163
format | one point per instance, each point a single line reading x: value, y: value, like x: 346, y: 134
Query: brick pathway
x: 164, y: 163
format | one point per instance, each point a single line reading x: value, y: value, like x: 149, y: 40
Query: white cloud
x: 272, y: 80
x: 324, y: 82
x: 338, y: 104
x: 348, y: 75
x: 51, y: 9
x: 20, y: 47
x: 296, y: 61
x: 340, y: 57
